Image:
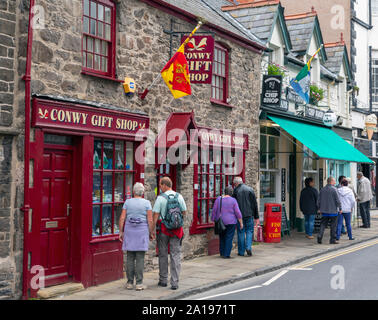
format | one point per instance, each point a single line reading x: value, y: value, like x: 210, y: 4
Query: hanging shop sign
x: 199, y: 53
x: 329, y: 118
x: 314, y: 113
x: 271, y: 91
x: 283, y: 184
x: 57, y: 115
x: 292, y: 96
x: 371, y: 125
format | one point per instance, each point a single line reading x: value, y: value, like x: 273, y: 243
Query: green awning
x: 322, y: 141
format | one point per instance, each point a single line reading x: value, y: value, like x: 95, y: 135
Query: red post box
x: 272, y: 222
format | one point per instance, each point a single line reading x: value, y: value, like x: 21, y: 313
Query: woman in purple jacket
x: 230, y: 214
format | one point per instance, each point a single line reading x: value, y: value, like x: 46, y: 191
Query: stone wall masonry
x: 11, y: 164
x: 142, y: 49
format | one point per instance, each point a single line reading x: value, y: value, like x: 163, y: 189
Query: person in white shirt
x: 348, y: 201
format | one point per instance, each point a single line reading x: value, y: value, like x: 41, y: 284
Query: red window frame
x: 219, y: 83
x: 101, y: 171
x: 107, y: 50
x: 203, y: 173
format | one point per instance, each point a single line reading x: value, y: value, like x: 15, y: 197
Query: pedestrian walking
x: 364, y: 195
x: 330, y: 207
x: 247, y: 202
x: 308, y: 203
x: 227, y: 209
x: 350, y: 186
x: 135, y: 235
x: 168, y: 213
x: 347, y: 201
x: 341, y: 178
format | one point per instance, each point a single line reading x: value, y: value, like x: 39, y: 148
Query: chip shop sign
x: 77, y: 117
x: 199, y: 53
x: 271, y: 90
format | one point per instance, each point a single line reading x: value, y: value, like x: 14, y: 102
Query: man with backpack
x: 168, y: 214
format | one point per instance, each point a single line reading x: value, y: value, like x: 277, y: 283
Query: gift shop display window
x: 216, y: 169
x: 113, y: 178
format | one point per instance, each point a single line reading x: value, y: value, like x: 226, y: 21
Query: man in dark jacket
x: 308, y: 203
x: 247, y: 202
x: 330, y: 207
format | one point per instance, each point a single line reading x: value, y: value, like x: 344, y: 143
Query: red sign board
x: 58, y: 115
x: 199, y: 53
x: 223, y: 138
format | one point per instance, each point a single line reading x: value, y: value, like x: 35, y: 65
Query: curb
x: 257, y: 272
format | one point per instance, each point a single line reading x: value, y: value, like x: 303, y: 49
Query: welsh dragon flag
x: 301, y: 83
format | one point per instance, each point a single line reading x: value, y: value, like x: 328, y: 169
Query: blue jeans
x: 309, y: 223
x: 346, y: 216
x: 245, y: 236
x: 225, y: 240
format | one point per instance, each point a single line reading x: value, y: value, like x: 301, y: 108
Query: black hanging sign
x: 271, y: 91
x: 283, y: 184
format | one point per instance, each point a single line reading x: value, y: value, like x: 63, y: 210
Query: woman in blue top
x: 230, y: 214
x: 135, y: 235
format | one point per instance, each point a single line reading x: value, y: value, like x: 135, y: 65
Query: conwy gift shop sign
x: 57, y: 115
x: 199, y: 53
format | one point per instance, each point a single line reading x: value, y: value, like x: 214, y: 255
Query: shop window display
x: 310, y: 166
x: 216, y: 169
x: 113, y: 177
x: 269, y: 139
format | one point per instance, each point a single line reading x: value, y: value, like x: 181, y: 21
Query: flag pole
x: 143, y: 94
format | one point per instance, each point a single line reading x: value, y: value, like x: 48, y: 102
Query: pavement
x: 210, y: 272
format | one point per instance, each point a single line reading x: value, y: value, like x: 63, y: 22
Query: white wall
x: 362, y: 52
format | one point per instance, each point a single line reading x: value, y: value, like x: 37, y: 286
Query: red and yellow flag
x: 176, y: 72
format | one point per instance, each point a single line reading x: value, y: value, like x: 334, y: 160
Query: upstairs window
x: 374, y: 7
x: 98, y: 46
x: 374, y: 89
x: 219, y: 84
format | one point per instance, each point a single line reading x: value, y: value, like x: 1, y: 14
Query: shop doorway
x: 55, y: 215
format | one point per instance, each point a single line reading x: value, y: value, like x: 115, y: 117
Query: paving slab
x: 204, y: 273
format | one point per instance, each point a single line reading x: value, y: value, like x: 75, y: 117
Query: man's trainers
x: 319, y: 241
x: 139, y: 287
x: 249, y: 252
x: 161, y: 284
x: 174, y: 287
x: 129, y: 286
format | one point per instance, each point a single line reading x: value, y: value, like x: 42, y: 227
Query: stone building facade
x: 142, y: 49
x: 11, y: 150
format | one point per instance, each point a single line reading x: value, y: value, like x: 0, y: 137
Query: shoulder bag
x: 219, y: 225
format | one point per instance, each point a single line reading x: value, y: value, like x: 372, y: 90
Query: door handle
x: 68, y: 209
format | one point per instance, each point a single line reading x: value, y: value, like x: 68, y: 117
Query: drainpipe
x: 26, y: 207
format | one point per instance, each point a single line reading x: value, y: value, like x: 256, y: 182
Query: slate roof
x: 300, y: 31
x: 211, y: 11
x: 335, y: 56
x: 259, y: 20
x: 328, y: 73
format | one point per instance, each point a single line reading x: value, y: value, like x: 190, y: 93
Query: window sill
x: 200, y: 229
x: 101, y: 76
x: 112, y: 237
x: 221, y: 103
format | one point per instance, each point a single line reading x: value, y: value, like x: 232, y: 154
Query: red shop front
x: 83, y: 166
x: 217, y: 156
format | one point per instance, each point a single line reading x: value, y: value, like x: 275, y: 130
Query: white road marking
x: 301, y: 269
x: 227, y: 293
x: 275, y: 277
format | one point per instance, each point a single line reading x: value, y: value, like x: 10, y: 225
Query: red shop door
x: 55, y: 215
